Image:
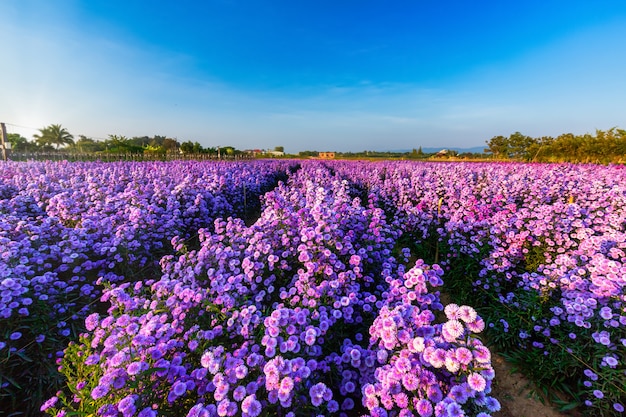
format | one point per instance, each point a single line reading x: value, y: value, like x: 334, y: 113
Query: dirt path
x: 514, y: 396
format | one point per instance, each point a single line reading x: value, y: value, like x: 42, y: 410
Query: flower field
x: 296, y: 288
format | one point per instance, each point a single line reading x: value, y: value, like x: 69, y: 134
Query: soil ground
x: 511, y: 389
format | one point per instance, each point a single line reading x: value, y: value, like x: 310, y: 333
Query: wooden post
x: 3, y: 138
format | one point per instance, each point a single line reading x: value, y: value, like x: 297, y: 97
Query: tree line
x: 55, y: 138
x: 602, y: 147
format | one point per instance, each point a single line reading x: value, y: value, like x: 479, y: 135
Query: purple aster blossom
x: 127, y: 405
x: 452, y: 330
x: 286, y: 385
x: 241, y: 371
x: 317, y: 393
x: 606, y: 313
x: 91, y: 322
x: 458, y: 393
x: 464, y: 355
x: 476, y: 326
x: 179, y: 388
x: 590, y: 374
x: 51, y: 402
x: 410, y: 381
x: 251, y: 406
x: 108, y: 410
x: 401, y: 400
x: 403, y: 365
x: 454, y: 410
x: 135, y: 367
x: 99, y: 391
x: 451, y: 310
x: 347, y: 404
x: 476, y: 381
x: 610, y: 361
x: 239, y: 393
x: 92, y: 359
x: 424, y: 408
x: 434, y: 393
x: 467, y: 314
x: 332, y: 406
x: 222, y: 408
x: 492, y: 404
x: 482, y: 354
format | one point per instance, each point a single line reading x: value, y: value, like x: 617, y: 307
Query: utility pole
x: 3, y: 139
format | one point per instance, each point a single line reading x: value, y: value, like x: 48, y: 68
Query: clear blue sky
x: 319, y: 75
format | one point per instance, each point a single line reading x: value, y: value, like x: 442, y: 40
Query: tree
x: 197, y: 148
x: 18, y: 142
x: 121, y: 144
x: 85, y: 144
x: 170, y: 144
x: 499, y: 146
x: 54, y: 135
x: 279, y: 149
x: 520, y: 146
x: 187, y: 147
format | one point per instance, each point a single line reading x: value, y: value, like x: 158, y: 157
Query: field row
x: 300, y: 288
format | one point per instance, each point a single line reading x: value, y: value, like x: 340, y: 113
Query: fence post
x: 3, y: 137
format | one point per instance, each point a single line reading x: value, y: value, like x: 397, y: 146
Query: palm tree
x: 54, y: 135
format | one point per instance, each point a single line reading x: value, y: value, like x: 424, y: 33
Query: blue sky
x: 314, y: 75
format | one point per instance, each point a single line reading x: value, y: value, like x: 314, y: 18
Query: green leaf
x: 23, y: 356
x: 568, y: 407
x: 12, y: 382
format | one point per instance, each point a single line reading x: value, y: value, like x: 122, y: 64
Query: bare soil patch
x: 514, y: 393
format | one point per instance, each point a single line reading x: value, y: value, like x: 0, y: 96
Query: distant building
x: 327, y: 155
x: 254, y: 152
x: 442, y: 152
x: 275, y: 153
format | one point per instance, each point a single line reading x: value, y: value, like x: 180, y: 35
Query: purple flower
x: 147, y: 412
x: 135, y: 367
x: 424, y: 408
x: 99, y: 391
x: 454, y: 410
x: 91, y: 322
x: 452, y: 330
x: 251, y: 406
x: 317, y: 393
x: 492, y: 404
x: 127, y: 405
x: 476, y: 382
x: 467, y: 314
x: 49, y: 403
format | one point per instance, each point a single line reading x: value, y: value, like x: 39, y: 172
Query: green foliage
x: 85, y: 144
x: 535, y: 256
x: 603, y: 147
x: 28, y: 374
x: 20, y: 143
x: 54, y: 135
x: 121, y: 144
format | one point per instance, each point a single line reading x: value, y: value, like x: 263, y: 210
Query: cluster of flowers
x: 548, y: 239
x: 65, y: 225
x: 310, y: 310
